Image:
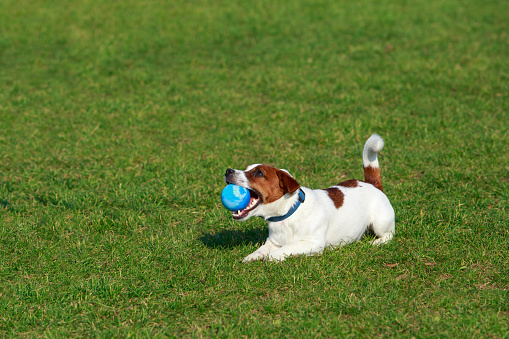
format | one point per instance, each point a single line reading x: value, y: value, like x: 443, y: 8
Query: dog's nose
x: 229, y: 171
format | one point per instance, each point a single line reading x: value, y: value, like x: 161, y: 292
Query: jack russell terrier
x: 305, y: 221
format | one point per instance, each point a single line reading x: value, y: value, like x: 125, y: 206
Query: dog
x: 305, y: 221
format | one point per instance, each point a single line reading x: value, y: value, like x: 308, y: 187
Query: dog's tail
x: 370, y: 161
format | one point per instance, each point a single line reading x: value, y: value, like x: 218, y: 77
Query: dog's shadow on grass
x: 234, y: 238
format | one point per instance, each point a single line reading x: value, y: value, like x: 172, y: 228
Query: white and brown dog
x: 305, y: 221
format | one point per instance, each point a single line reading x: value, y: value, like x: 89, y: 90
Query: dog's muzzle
x: 228, y: 175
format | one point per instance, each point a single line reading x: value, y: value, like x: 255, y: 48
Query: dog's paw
x: 276, y: 258
x: 383, y: 240
x: 254, y: 257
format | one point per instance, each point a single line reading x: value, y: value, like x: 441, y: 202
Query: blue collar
x: 292, y: 210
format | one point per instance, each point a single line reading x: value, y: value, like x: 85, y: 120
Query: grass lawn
x: 119, y: 118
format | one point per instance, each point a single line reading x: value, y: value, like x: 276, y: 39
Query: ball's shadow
x: 234, y: 238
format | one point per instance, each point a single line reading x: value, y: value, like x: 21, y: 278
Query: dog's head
x: 265, y: 183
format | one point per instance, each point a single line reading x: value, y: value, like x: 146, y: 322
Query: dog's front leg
x: 261, y: 252
x: 301, y: 247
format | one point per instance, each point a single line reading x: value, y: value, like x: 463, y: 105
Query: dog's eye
x: 258, y: 174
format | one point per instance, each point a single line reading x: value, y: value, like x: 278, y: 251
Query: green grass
x: 118, y: 119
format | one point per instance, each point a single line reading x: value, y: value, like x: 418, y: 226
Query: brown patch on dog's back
x: 272, y: 184
x: 336, y: 196
x: 349, y: 183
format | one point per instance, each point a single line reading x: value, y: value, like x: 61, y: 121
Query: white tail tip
x: 374, y: 144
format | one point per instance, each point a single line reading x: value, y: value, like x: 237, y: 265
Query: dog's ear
x: 282, y: 169
x: 287, y: 182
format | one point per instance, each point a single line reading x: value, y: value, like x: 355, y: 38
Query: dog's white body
x: 336, y: 216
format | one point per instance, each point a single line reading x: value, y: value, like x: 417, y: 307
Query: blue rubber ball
x: 235, y: 198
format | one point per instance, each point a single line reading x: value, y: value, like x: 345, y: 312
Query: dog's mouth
x: 253, y: 203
